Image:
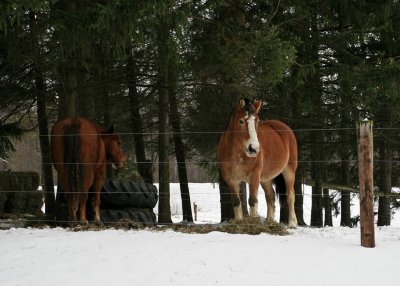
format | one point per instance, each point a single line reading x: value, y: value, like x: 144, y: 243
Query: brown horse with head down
x: 257, y: 152
x: 79, y: 150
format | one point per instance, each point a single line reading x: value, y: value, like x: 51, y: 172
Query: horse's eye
x: 241, y: 121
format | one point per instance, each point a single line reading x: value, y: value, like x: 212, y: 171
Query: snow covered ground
x: 308, y: 256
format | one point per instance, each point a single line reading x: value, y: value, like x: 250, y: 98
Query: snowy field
x: 308, y: 256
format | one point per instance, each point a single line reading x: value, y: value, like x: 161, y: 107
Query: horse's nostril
x: 252, y: 150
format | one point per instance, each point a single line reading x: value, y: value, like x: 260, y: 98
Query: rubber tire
x: 121, y: 194
x: 146, y: 217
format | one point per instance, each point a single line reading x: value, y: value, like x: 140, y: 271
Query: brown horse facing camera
x: 79, y: 149
x: 257, y: 153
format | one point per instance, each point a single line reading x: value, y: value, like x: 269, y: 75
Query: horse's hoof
x: 270, y: 221
x: 98, y: 222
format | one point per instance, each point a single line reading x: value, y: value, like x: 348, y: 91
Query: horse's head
x: 113, y: 147
x: 244, y: 124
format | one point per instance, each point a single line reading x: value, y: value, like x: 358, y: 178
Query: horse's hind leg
x: 82, y: 208
x: 72, y: 208
x: 97, y: 185
x: 289, y: 177
x: 270, y: 198
x: 83, y: 197
x: 96, y: 204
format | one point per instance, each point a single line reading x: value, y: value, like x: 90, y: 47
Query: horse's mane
x: 247, y: 106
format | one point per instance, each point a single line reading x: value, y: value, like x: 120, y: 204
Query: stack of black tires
x: 128, y: 200
x: 120, y: 200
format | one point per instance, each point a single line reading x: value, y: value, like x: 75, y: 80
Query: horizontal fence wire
x: 225, y: 162
x: 72, y: 223
x: 219, y: 132
x: 216, y: 192
x: 332, y: 191
x: 204, y: 132
x: 226, y: 131
x: 161, y: 196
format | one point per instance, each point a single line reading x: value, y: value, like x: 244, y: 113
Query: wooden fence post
x: 195, y: 211
x: 365, y: 170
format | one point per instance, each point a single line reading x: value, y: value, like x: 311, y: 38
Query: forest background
x: 168, y: 73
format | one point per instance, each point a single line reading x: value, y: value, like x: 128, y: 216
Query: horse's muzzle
x: 252, y: 150
x: 119, y: 166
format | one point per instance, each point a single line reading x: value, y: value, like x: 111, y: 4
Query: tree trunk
x: 164, y: 208
x: 86, y: 99
x: 328, y: 208
x: 144, y: 166
x: 67, y: 106
x: 294, y: 123
x: 298, y: 188
x: 225, y: 200
x: 47, y: 171
x: 284, y: 208
x: 346, y: 121
x: 71, y: 88
x: 179, y: 147
x: 318, y: 173
x: 345, y: 215
x: 345, y: 211
x: 316, y: 205
x: 107, y: 123
x: 227, y: 80
x: 68, y: 71
x: 243, y: 198
x: 314, y: 88
x: 385, y: 183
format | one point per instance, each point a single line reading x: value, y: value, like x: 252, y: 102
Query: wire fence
x: 202, y: 197
x: 208, y: 205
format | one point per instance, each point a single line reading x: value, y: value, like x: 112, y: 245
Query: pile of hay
x: 249, y: 225
x: 124, y: 224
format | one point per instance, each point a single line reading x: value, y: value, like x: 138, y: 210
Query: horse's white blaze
x: 253, y: 141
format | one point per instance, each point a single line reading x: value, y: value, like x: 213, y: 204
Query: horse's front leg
x: 234, y: 188
x: 253, y: 196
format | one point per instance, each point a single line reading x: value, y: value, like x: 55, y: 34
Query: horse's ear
x: 111, y: 129
x: 257, y: 106
x: 241, y: 103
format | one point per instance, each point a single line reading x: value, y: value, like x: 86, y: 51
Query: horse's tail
x: 72, y: 161
x: 280, y: 188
